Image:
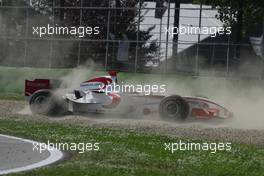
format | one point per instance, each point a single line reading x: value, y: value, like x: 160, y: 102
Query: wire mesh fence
x: 130, y: 37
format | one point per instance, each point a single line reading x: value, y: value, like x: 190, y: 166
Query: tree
x: 122, y: 21
x: 246, y: 14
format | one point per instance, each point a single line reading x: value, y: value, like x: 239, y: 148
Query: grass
x: 12, y: 96
x: 12, y: 79
x: 130, y: 153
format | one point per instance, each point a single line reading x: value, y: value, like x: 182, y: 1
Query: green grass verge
x: 12, y: 79
x: 131, y: 153
x: 11, y: 96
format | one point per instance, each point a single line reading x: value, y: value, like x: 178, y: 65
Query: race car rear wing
x: 45, y: 84
x: 39, y: 84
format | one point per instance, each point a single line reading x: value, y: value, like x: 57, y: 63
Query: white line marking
x: 55, y: 155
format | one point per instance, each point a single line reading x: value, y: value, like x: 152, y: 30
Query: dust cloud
x: 76, y: 76
x: 245, y: 98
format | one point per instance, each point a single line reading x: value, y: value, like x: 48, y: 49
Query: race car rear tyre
x: 45, y: 103
x: 174, y: 108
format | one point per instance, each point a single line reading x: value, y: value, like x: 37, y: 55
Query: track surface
x: 222, y: 130
x: 17, y: 155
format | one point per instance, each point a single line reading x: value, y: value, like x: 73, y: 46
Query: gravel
x: 194, y: 130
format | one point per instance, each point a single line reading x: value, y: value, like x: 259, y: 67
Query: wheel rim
x: 172, y: 108
x: 41, y: 102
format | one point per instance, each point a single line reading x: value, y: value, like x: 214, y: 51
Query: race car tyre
x: 45, y: 103
x: 174, y: 108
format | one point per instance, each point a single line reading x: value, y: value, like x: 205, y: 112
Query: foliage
x: 251, y: 11
x: 123, y: 24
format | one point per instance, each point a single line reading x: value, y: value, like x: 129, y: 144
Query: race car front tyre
x: 174, y: 108
x: 45, y: 103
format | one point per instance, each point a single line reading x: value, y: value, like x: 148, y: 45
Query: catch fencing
x: 133, y: 37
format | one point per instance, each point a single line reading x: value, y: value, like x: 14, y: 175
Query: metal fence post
x: 52, y: 41
x: 160, y: 33
x: 198, y: 43
x: 138, y: 28
x: 79, y: 43
x: 228, y: 50
x: 26, y: 39
x: 175, y: 39
x: 107, y: 33
x: 167, y: 37
x: 227, y: 56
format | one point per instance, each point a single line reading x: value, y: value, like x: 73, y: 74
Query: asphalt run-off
x: 17, y: 154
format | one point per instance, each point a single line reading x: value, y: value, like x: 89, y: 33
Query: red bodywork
x: 201, y: 113
x: 38, y: 84
x: 205, y: 109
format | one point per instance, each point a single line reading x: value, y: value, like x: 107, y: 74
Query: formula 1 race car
x: 46, y: 97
